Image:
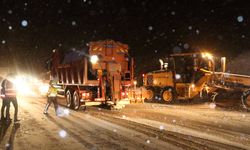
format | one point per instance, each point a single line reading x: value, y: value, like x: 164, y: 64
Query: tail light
x: 124, y: 94
x: 85, y: 95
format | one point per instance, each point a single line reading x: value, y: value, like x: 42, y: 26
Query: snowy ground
x: 138, y: 126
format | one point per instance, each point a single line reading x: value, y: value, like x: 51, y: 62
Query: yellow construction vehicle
x: 183, y: 77
x: 190, y: 75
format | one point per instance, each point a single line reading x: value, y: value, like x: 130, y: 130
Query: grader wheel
x: 150, y: 95
x: 167, y: 96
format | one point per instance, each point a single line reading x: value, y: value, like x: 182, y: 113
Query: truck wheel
x: 167, y: 96
x: 68, y: 98
x: 76, y: 101
x: 245, y: 100
x: 150, y: 94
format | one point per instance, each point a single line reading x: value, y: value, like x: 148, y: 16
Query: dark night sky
x: 151, y: 28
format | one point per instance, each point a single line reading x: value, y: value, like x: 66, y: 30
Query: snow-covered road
x: 137, y: 126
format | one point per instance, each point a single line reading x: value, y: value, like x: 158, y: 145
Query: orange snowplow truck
x: 103, y: 74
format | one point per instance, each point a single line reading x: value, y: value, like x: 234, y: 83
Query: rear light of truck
x: 124, y: 94
x: 85, y: 95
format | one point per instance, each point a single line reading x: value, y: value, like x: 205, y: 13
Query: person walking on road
x: 51, y: 98
x: 9, y: 96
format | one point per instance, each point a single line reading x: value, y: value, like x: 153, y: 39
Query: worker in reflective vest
x: 51, y: 98
x: 8, y: 94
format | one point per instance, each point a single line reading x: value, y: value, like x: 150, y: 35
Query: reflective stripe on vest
x: 10, y: 90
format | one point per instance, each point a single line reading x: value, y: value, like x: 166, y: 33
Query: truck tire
x: 69, y: 98
x: 245, y: 100
x: 150, y: 95
x: 76, y: 101
x: 167, y: 96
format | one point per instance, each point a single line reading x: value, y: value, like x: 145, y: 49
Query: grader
x: 190, y: 75
x: 184, y: 77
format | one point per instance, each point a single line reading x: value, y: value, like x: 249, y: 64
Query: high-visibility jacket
x: 8, y: 89
x: 52, y: 91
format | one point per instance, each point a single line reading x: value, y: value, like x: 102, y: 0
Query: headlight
x: 94, y: 59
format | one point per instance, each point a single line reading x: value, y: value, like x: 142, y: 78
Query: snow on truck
x: 190, y: 75
x: 101, y: 75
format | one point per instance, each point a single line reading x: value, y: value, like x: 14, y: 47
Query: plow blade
x: 228, y: 98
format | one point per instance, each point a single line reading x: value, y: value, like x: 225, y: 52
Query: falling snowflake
x: 123, y: 116
x: 240, y: 18
x: 186, y: 46
x: 68, y: 1
x: 60, y: 44
x: 62, y: 133
x: 84, y: 1
x: 190, y: 27
x: 24, y: 23
x: 197, y: 31
x: 10, y: 11
x: 10, y: 27
x: 25, y: 4
x: 173, y: 30
x: 156, y: 51
x: 114, y: 130
x: 173, y: 13
x: 73, y: 23
x: 177, y: 76
x: 174, y: 121
x: 150, y: 28
x: 99, y: 109
x: 243, y: 36
x: 243, y: 116
x: 3, y: 41
x: 148, y: 141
